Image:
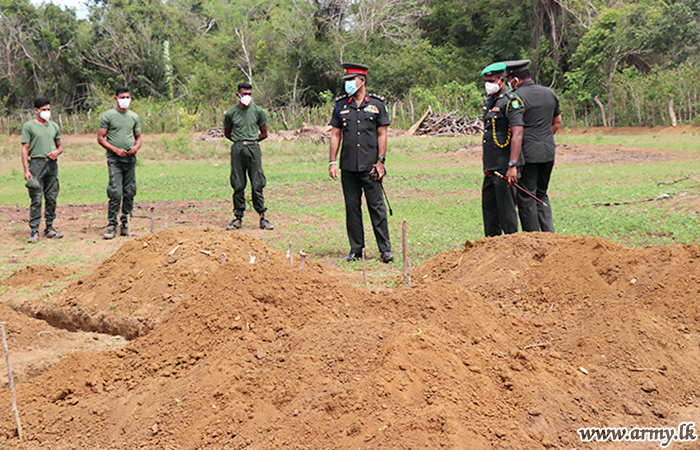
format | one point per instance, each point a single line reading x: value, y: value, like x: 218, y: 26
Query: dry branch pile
x: 447, y: 124
x: 212, y: 134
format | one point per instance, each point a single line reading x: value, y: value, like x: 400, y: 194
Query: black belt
x: 245, y: 142
x: 41, y: 159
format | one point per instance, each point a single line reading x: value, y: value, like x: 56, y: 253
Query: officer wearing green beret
x: 361, y: 120
x: 40, y: 162
x: 541, y: 119
x: 503, y: 133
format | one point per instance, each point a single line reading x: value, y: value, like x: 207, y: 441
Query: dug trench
x: 512, y: 342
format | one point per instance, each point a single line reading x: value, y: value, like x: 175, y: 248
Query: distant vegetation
x: 612, y: 63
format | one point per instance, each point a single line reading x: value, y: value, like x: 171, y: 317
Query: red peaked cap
x: 352, y: 70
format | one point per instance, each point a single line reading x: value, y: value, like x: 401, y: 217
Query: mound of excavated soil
x: 514, y: 342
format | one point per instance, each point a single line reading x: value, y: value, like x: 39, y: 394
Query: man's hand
x: 512, y: 175
x: 133, y: 150
x: 120, y: 152
x: 333, y: 171
x: 379, y: 171
x: 487, y: 173
x: 53, y: 156
x: 27, y: 175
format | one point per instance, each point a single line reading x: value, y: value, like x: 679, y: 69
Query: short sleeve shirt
x: 359, y: 124
x: 502, y: 112
x: 245, y: 123
x: 541, y: 107
x: 41, y: 138
x: 121, y: 127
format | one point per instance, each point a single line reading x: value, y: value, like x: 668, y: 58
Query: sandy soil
x: 513, y: 342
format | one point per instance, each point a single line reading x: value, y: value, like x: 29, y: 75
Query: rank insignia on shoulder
x: 340, y: 97
x: 372, y: 109
x: 379, y: 97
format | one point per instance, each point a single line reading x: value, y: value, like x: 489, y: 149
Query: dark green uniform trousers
x: 122, y: 187
x: 46, y: 173
x: 498, y: 206
x: 247, y: 159
x: 353, y: 185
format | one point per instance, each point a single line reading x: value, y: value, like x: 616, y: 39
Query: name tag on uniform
x: 345, y: 111
x: 372, y: 109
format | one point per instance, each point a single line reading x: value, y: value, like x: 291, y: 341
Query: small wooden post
x: 10, y: 378
x: 223, y: 258
x: 364, y: 272
x: 302, y: 260
x: 267, y: 256
x: 150, y: 216
x: 289, y: 256
x: 404, y: 249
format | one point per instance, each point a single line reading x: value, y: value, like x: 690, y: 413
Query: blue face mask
x: 350, y: 87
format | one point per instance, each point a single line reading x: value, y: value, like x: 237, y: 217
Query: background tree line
x: 612, y: 63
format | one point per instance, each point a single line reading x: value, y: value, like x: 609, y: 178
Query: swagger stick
x: 518, y: 186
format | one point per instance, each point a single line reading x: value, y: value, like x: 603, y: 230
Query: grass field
x: 435, y: 189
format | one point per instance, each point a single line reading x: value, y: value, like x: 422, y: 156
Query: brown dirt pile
x: 514, y: 342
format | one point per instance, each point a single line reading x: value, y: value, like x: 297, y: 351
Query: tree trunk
x: 672, y: 113
x: 602, y: 110
x: 573, y: 110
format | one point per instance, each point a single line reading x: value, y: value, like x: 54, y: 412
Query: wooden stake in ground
x: 12, y: 383
x: 267, y: 256
x: 302, y: 257
x: 150, y: 215
x: 404, y: 249
x: 364, y: 272
x: 289, y: 256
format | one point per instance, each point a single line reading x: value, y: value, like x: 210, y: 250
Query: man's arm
x: 227, y: 134
x: 556, y: 121
x: 333, y: 153
x: 516, y: 143
x: 25, y: 161
x: 381, y: 150
x: 102, y: 140
x: 263, y: 133
x: 53, y: 156
x: 137, y: 145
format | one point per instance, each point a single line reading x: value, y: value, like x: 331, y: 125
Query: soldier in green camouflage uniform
x: 119, y: 132
x: 40, y: 161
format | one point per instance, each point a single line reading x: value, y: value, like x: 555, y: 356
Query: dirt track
x: 514, y: 342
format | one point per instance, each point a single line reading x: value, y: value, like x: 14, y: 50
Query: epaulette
x: 340, y: 97
x: 378, y: 97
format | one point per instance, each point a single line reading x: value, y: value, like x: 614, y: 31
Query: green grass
x: 437, y: 194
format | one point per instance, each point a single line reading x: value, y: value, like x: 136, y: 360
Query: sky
x: 80, y: 6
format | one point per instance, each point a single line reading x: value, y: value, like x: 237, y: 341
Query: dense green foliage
x: 618, y: 63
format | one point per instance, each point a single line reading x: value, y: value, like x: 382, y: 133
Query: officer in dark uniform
x: 541, y: 118
x: 361, y: 120
x: 503, y: 134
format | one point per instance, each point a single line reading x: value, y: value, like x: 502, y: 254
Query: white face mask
x: 492, y: 88
x: 124, y: 102
x: 246, y: 99
x: 45, y: 115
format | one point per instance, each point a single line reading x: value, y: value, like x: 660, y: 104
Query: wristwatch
x: 512, y: 163
x: 382, y: 159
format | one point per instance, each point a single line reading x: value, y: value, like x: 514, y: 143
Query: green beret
x: 493, y: 69
x: 32, y: 184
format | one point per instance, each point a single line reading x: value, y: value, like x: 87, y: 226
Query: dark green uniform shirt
x: 541, y: 106
x: 245, y: 123
x: 41, y: 138
x: 121, y: 127
x: 359, y: 124
x: 504, y: 111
